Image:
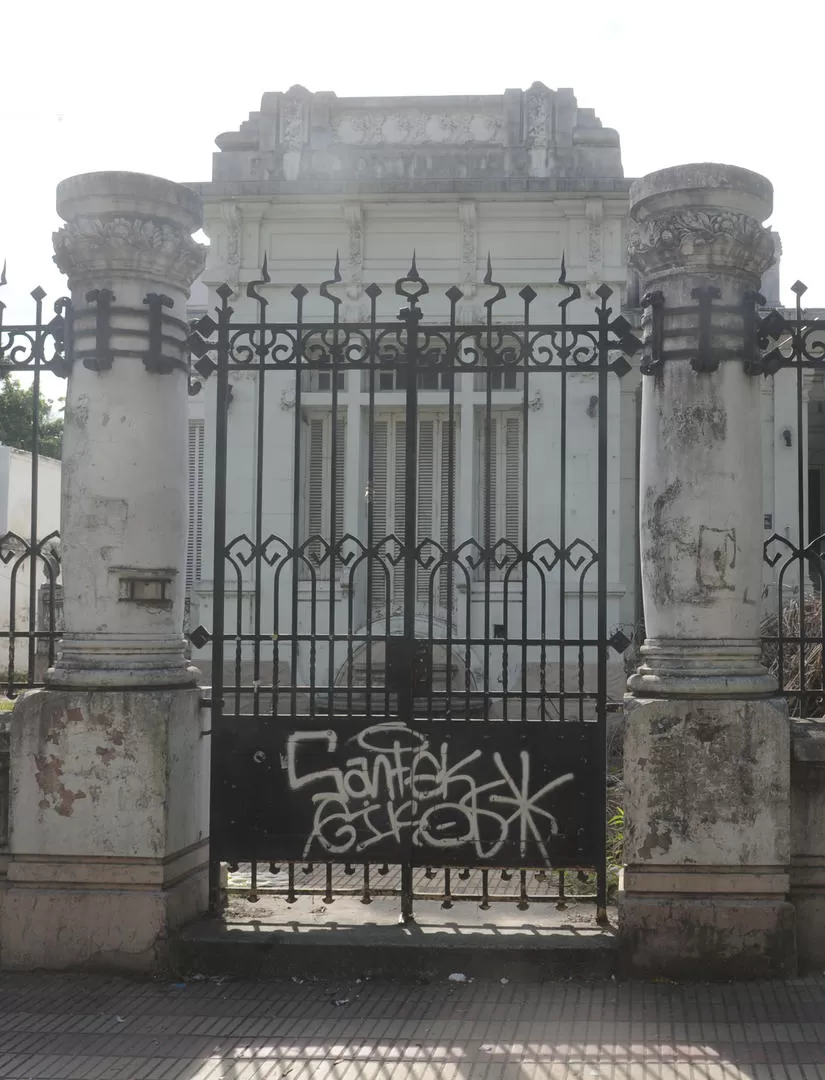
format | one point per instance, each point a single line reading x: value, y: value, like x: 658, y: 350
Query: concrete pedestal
x: 707, y: 841
x: 110, y: 765
x: 707, y: 751
x: 807, y: 871
x: 109, y: 819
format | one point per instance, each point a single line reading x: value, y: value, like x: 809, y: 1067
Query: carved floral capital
x: 699, y: 240
x: 143, y: 247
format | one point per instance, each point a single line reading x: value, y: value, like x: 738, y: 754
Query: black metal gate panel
x: 409, y: 621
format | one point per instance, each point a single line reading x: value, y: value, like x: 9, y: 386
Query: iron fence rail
x: 30, y: 626
x: 400, y: 591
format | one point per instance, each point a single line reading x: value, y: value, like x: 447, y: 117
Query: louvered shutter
x: 380, y: 518
x: 316, y: 482
x: 512, y: 472
x: 445, y: 534
x: 194, y: 541
x: 319, y: 487
x: 500, y: 496
x: 399, y: 497
x: 489, y: 491
x: 425, y: 464
x: 340, y: 475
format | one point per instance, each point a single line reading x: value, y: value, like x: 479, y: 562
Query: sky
x: 148, y: 86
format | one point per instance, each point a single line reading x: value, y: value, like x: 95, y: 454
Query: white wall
x: 15, y: 517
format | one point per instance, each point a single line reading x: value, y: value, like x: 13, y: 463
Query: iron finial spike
x: 265, y: 267
x: 413, y: 268
x: 336, y: 273
x: 563, y: 273
x: 488, y: 277
x: 3, y: 274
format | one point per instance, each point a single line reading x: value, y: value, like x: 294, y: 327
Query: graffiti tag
x: 400, y: 784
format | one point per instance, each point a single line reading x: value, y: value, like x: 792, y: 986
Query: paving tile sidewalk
x: 99, y: 1028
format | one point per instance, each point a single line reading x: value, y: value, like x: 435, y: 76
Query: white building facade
x: 313, y: 182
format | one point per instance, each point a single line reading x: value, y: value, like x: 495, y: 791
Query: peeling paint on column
x: 56, y: 796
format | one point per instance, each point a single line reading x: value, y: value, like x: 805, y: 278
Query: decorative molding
x: 468, y: 218
x: 232, y: 217
x: 720, y: 238
x: 538, y: 112
x: 292, y: 122
x: 354, y: 308
x: 415, y: 128
x: 354, y: 214
x: 142, y: 247
x: 594, y: 210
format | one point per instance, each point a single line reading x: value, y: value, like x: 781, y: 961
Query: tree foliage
x: 17, y: 419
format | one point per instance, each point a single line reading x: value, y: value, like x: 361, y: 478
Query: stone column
x: 109, y: 802
x: 707, y: 741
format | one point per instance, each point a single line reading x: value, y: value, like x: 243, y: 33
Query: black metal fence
x: 792, y: 347
x: 413, y: 684
x: 30, y: 597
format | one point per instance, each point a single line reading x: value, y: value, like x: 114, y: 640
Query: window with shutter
x: 194, y: 539
x: 318, y: 485
x: 379, y: 508
x: 500, y: 493
x: 389, y: 461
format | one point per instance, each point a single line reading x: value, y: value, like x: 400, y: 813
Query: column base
x: 99, y: 914
x: 706, y: 936
x: 122, y: 662
x: 109, y: 837
x: 705, y: 668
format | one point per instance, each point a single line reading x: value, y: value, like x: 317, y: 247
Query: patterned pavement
x: 101, y: 1028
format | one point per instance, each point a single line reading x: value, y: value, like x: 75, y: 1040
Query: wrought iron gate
x: 409, y: 625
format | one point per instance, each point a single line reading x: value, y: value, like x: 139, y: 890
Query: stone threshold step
x: 255, y: 949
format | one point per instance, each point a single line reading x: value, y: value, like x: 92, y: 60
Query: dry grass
x: 807, y: 700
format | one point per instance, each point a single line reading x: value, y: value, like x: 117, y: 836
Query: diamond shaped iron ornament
x: 200, y: 636
x: 620, y: 366
x: 528, y: 294
x: 197, y: 345
x: 205, y: 367
x: 604, y: 292
x: 618, y: 641
x: 799, y: 287
x: 205, y: 326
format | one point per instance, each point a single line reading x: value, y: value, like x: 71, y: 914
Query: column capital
x: 128, y: 224
x: 701, y: 219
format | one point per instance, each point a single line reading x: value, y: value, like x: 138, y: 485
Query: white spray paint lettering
x: 397, y: 782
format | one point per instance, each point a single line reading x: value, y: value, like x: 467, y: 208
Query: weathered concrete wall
x: 808, y: 840
x: 707, y: 840
x: 108, y: 827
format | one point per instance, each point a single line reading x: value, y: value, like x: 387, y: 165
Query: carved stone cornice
x: 699, y: 240
x: 138, y: 246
